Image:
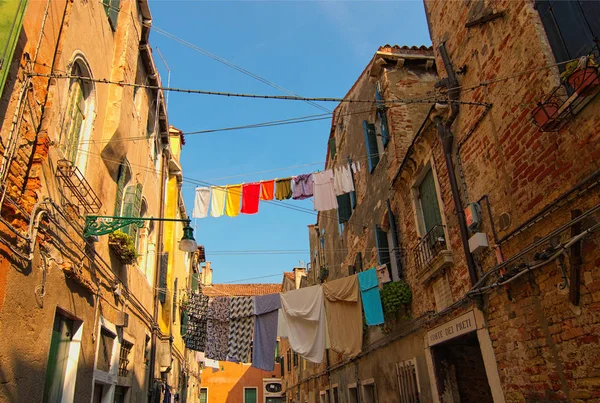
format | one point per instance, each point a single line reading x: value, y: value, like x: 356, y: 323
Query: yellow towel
x: 234, y: 198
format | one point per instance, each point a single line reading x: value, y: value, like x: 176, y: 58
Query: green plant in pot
x: 582, y: 75
x: 394, y: 296
x: 123, y: 246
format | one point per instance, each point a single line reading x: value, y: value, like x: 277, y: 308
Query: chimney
x: 299, y: 272
x: 206, y: 275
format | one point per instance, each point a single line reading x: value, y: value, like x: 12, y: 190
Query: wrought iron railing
x: 79, y: 188
x: 429, y: 247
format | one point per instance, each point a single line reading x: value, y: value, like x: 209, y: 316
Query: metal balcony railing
x: 79, y: 188
x: 429, y: 246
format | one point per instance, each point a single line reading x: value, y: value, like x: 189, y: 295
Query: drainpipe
x: 447, y: 138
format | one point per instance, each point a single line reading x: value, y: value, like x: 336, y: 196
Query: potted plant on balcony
x: 582, y: 75
x: 123, y: 246
x: 544, y: 114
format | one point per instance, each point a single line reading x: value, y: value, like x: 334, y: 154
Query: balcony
x: 431, y: 254
x: 76, y: 187
x: 575, y: 91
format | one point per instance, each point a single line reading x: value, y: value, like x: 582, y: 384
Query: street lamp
x: 96, y: 225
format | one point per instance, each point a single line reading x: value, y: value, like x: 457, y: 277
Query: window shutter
x: 429, y: 202
x: 381, y: 112
x: 344, y: 208
x: 162, y: 277
x: 281, y: 365
x: 112, y: 8
x: 332, y: 147
x: 396, y: 244
x: 371, y: 144
x: 174, y: 303
x: 122, y: 179
x: 194, y: 282
x: 11, y: 20
x: 184, y: 322
x: 383, y: 250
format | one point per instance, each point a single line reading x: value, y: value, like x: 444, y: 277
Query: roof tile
x: 240, y: 290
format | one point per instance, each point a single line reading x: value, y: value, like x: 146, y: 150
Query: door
x: 62, y: 334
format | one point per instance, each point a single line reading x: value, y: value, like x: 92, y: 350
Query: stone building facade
x: 80, y: 309
x: 492, y: 217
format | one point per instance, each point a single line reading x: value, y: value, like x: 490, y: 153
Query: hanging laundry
x: 369, y: 290
x: 217, y: 328
x: 305, y: 315
x: 282, y: 330
x: 266, y: 309
x: 383, y: 274
x: 267, y: 190
x: 344, y: 315
x: 338, y: 186
x: 324, y: 195
x: 234, y: 197
x: 208, y: 363
x: 241, y: 320
x: 217, y: 203
x: 201, y: 203
x: 283, y: 188
x: 347, y: 182
x: 250, y: 195
x: 303, y: 187
x: 195, y: 336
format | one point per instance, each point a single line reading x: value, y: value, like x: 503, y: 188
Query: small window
x: 147, y: 351
x: 203, y: 395
x: 105, y: 350
x: 289, y: 360
x: 344, y: 208
x: 572, y: 27
x: 295, y: 359
x: 332, y: 148
x: 353, y: 394
x: 383, y: 249
x: 382, y: 117
x: 408, y: 384
x: 124, y: 358
x: 336, y: 395
x: 369, y: 392
x: 371, y: 145
x: 323, y: 397
x: 250, y: 395
x: 120, y: 394
x: 112, y: 8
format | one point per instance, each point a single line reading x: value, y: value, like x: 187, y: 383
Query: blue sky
x: 313, y: 48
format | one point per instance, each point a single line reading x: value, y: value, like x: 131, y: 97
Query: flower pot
x: 584, y: 81
x: 544, y: 114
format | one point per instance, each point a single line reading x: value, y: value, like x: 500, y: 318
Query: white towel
x: 218, y: 201
x: 201, y: 203
x: 347, y: 183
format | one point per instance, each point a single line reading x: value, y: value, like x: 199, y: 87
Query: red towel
x: 250, y: 193
x: 267, y: 190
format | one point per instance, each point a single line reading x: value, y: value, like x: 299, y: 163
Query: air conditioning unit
x: 122, y: 319
x: 272, y: 387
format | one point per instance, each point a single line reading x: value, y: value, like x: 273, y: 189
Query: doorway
x: 460, y: 372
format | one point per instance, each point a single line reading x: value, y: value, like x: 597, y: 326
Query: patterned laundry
x: 250, y: 195
x: 217, y: 202
x: 217, y: 328
x: 369, y: 290
x: 267, y: 190
x: 283, y: 188
x: 201, y: 202
x: 266, y: 310
x: 241, y: 321
x: 234, y: 196
x: 303, y: 187
x: 195, y: 337
x: 323, y: 191
x: 383, y: 275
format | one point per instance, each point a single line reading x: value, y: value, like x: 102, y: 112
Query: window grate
x: 408, y: 385
x: 124, y: 358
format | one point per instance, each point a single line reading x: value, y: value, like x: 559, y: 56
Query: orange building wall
x: 226, y: 384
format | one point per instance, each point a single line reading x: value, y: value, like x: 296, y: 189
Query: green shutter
x: 381, y: 113
x: 383, y: 250
x: 132, y: 205
x: 203, y: 395
x: 11, y: 21
x: 194, y: 282
x: 112, y: 8
x: 332, y: 147
x: 122, y: 179
x: 371, y: 144
x: 344, y: 208
x: 395, y: 243
x: 429, y: 202
x: 162, y: 277
x: 184, y: 322
x: 250, y: 395
x: 175, y: 298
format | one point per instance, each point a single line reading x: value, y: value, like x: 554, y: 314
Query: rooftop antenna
x: 168, y: 76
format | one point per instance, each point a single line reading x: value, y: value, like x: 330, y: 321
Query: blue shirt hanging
x: 369, y: 290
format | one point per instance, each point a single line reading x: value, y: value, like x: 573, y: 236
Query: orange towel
x: 267, y: 190
x: 234, y: 197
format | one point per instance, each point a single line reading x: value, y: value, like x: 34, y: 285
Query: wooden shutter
x: 383, y: 250
x: 429, y: 202
x: 11, y: 20
x: 162, y: 277
x: 395, y: 242
x: 332, y: 147
x: 250, y: 395
x: 344, y: 208
x: 382, y: 114
x: 184, y: 322
x: 132, y: 205
x: 122, y: 179
x: 174, y: 303
x: 195, y: 282
x: 371, y: 144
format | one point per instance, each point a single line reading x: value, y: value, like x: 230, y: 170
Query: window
x: 76, y: 125
x: 371, y: 145
x: 572, y: 27
x: 353, y: 393
x: 132, y: 207
x: 250, y: 395
x: 123, y: 178
x: 368, y: 388
x: 332, y: 147
x: 382, y: 116
x: 11, y: 20
x: 336, y: 396
x: 203, y: 395
x: 120, y: 394
x: 105, y: 350
x: 124, y: 358
x: 174, y: 300
x: 408, y: 384
x: 162, y: 279
x: 323, y: 397
x: 344, y: 208
x: 295, y: 359
x: 383, y: 250
x: 289, y: 360
x: 428, y: 203
x: 393, y: 242
x: 59, y: 384
x: 112, y: 8
x: 147, y: 351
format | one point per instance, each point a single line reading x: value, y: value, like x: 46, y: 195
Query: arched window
x: 77, y: 123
